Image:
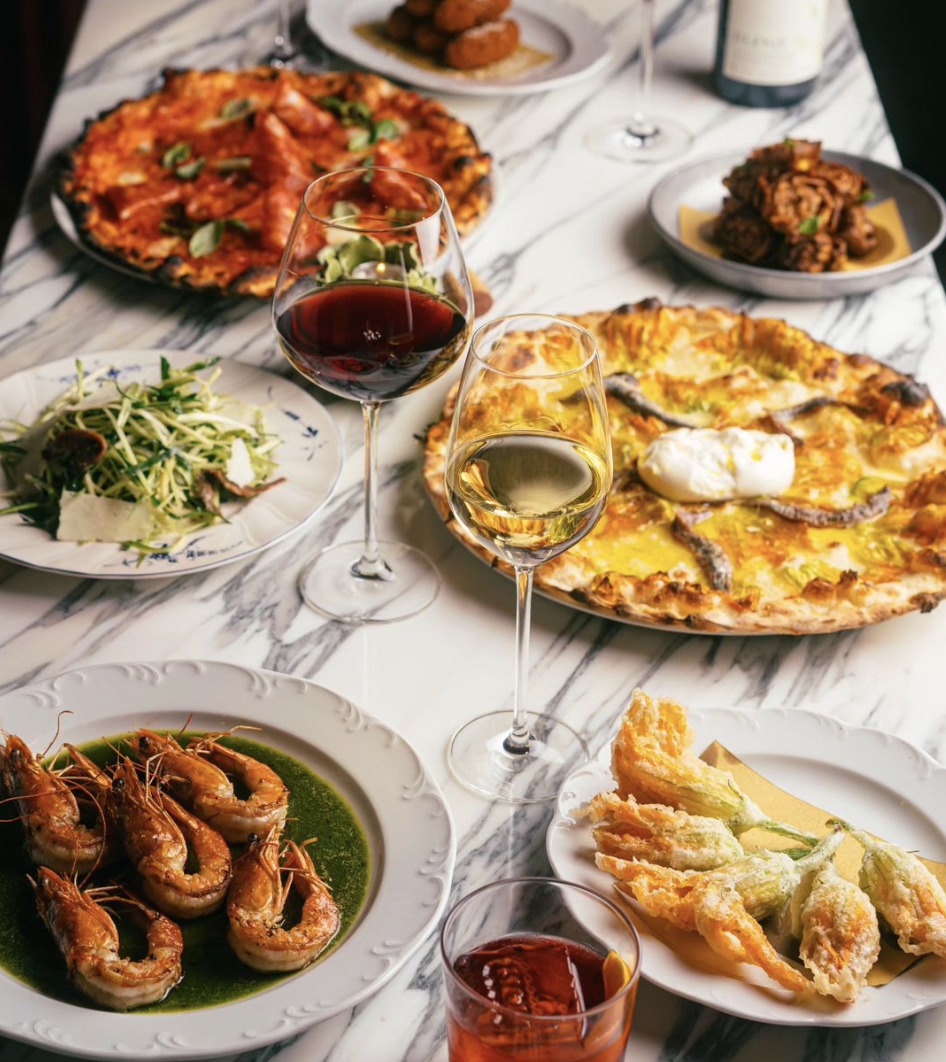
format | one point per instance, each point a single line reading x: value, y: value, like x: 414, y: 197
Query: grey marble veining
x: 568, y: 234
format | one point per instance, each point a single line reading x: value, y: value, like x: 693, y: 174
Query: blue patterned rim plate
x: 310, y: 458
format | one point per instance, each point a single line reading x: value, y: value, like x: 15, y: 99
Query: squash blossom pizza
x: 763, y: 482
x: 198, y: 183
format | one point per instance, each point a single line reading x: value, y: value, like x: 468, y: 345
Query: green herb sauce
x: 212, y: 973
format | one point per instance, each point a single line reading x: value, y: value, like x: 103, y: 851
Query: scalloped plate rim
x: 406, y: 859
x: 759, y: 737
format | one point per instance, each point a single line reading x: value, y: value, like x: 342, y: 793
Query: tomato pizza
x: 197, y: 184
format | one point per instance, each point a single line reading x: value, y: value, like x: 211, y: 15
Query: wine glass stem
x: 517, y: 740
x: 282, y: 44
x: 641, y: 124
x: 370, y: 564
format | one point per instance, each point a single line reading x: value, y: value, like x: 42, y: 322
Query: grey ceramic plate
x: 699, y: 185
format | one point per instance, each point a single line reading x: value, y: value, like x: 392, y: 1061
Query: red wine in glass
x: 371, y: 340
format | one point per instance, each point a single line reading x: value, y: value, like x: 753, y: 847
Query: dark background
x: 904, y: 43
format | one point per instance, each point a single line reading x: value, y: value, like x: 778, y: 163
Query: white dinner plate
x: 874, y: 779
x: 404, y: 815
x: 310, y: 458
x: 700, y: 185
x: 575, y: 42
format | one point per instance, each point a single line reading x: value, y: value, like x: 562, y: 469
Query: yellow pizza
x: 197, y: 184
x: 763, y: 482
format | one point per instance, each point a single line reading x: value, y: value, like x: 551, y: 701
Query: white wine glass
x: 373, y: 301
x: 528, y: 470
x: 642, y: 137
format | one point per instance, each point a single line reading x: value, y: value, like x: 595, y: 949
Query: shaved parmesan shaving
x: 92, y: 518
x: 239, y: 468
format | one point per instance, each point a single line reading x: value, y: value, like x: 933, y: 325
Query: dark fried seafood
x: 788, y: 208
x: 796, y: 201
x: 856, y: 230
x: 818, y: 253
x: 742, y: 232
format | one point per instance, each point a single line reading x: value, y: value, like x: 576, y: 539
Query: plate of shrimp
x: 775, y: 934
x: 187, y: 873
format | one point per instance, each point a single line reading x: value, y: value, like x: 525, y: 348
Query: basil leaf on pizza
x: 197, y: 184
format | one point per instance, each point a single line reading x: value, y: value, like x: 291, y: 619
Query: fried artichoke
x: 788, y: 208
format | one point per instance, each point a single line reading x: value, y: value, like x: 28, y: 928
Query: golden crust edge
x: 695, y: 622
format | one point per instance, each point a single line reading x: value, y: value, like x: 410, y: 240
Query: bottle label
x: 774, y: 42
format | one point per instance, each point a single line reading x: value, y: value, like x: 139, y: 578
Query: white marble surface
x: 570, y: 234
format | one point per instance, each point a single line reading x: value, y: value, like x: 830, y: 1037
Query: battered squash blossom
x: 905, y: 893
x: 840, y: 937
x: 682, y: 860
x: 652, y: 761
x: 661, y: 835
x: 726, y: 905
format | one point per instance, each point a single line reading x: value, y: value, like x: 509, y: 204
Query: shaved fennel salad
x: 144, y: 465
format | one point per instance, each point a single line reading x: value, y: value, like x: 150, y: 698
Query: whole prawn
x: 199, y: 777
x: 156, y: 832
x: 88, y: 939
x: 255, y: 907
x: 56, y: 836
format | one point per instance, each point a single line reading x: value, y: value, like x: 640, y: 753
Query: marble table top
x: 570, y: 234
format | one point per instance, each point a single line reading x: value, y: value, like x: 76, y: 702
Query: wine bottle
x: 769, y: 52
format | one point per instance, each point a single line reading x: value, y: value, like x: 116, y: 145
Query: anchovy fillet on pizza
x: 763, y: 482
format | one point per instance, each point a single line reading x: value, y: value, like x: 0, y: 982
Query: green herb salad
x: 146, y: 465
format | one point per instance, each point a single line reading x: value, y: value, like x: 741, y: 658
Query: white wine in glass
x: 528, y: 471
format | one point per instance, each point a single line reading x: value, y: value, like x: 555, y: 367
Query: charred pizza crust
x: 239, y: 148
x: 860, y: 538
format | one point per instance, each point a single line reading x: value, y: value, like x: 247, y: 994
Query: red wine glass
x: 373, y: 301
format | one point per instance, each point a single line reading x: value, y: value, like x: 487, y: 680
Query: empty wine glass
x: 528, y: 470
x: 372, y: 301
x: 284, y: 51
x: 642, y: 137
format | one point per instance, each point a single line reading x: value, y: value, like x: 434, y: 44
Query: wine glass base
x: 624, y: 141
x: 479, y: 760
x: 330, y: 585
